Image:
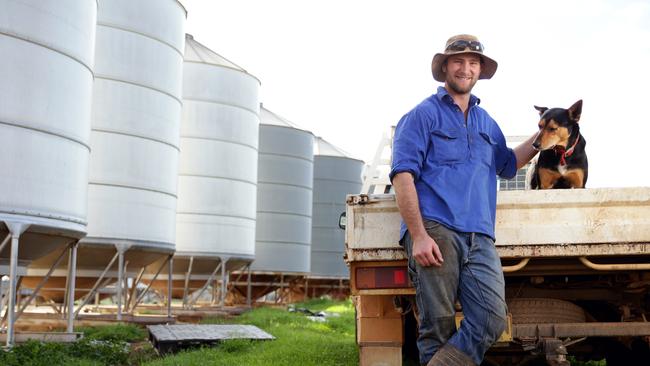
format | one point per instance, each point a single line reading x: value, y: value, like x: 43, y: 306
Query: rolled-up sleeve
x: 410, y: 144
x: 505, y: 158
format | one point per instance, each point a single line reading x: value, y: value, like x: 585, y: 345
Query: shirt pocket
x: 485, y: 147
x: 448, y: 146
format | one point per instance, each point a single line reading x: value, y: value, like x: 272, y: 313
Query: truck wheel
x: 544, y: 311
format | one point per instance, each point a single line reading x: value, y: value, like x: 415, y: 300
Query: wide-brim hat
x: 462, y: 43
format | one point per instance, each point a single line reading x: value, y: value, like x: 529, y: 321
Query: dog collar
x: 561, y: 150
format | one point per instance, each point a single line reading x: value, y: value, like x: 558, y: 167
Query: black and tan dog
x: 562, y: 161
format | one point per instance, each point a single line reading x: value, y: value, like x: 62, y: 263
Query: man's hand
x: 426, y: 251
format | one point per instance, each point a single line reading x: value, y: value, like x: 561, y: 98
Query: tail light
x: 382, y: 277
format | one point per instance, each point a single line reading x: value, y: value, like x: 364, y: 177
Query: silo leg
x: 169, y: 287
x: 72, y: 273
x: 16, y: 230
x: 186, y: 289
x: 280, y: 298
x: 125, y: 288
x: 249, y: 292
x: 223, y: 284
x: 214, y: 292
x: 120, y: 278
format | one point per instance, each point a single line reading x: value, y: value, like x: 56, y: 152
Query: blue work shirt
x: 454, y: 164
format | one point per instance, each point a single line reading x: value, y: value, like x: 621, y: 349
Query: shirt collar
x: 443, y: 95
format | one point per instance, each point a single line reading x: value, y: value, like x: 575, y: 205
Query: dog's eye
x: 552, y: 129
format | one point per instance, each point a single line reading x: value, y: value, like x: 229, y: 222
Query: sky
x: 348, y: 70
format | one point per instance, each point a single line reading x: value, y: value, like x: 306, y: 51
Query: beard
x: 453, y: 85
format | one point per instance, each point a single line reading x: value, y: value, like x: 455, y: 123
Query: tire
x: 544, y: 311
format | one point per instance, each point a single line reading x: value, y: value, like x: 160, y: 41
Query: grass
x: 115, y: 332
x: 299, y: 341
x: 119, y: 344
x: 574, y: 362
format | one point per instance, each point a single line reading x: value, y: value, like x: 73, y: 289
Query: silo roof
x: 197, y: 52
x: 323, y: 147
x: 269, y: 118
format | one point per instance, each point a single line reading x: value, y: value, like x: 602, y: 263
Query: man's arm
x: 425, y: 250
x: 525, y: 151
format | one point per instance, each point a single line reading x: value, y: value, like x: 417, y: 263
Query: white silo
x: 217, y: 183
x: 336, y: 175
x: 46, y: 76
x: 284, y: 199
x: 134, y: 139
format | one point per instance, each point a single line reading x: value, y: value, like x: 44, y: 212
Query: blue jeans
x: 471, y: 273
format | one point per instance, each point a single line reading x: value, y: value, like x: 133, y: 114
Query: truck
x: 577, y: 270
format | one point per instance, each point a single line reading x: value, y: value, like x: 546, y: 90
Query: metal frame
x: 16, y: 229
x: 42, y: 283
x: 193, y: 301
x: 127, y: 301
x: 278, y: 283
x: 135, y: 284
x: 242, y: 270
x: 91, y: 293
x: 190, y: 299
x: 169, y: 286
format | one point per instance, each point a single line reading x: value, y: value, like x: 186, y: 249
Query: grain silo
x: 217, y: 184
x: 284, y: 201
x: 336, y: 175
x: 46, y: 76
x: 135, y: 141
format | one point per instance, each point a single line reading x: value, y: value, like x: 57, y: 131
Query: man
x: 447, y: 152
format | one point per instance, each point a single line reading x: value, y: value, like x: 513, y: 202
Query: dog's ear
x: 541, y: 110
x: 574, y: 111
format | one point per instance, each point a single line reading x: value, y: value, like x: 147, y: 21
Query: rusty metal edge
x: 611, y: 329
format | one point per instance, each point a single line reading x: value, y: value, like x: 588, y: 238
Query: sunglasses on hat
x: 462, y: 45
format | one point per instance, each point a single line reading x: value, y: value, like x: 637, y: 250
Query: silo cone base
x: 315, y: 287
x: 93, y: 262
x: 196, y: 274
x: 284, y: 286
x: 54, y: 289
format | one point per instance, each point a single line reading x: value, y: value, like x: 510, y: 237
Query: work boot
x: 449, y: 355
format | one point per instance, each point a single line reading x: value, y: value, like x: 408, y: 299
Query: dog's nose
x: 536, y: 145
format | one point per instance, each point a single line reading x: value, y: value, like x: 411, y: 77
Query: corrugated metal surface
x: 217, y: 185
x: 135, y: 123
x: 46, y: 76
x: 336, y: 175
x: 284, y: 196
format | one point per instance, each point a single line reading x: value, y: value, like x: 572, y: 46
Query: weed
x: 115, y: 332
